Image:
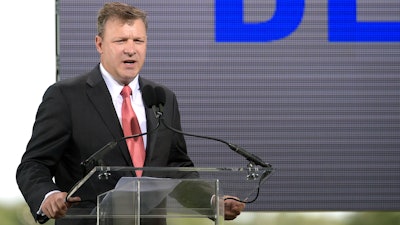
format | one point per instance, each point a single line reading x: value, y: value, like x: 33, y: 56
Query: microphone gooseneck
x: 250, y: 157
x: 253, y: 159
x: 160, y: 101
x: 96, y: 159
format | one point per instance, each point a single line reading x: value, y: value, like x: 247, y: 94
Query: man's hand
x: 55, y: 206
x: 233, y: 208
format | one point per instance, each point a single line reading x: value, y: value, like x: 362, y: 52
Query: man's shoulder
x: 75, y: 85
x: 92, y: 77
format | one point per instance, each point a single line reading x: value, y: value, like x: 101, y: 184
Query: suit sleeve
x: 44, y: 150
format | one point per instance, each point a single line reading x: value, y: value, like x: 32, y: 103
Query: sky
x: 28, y: 67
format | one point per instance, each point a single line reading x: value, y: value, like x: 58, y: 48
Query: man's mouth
x: 129, y: 62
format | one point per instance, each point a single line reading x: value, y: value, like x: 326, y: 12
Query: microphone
x: 96, y: 159
x: 160, y: 96
x: 160, y: 102
x: 150, y: 99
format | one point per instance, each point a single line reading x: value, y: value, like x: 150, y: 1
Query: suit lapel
x: 99, y: 95
x: 102, y: 102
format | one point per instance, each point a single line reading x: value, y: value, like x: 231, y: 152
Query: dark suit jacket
x: 75, y: 119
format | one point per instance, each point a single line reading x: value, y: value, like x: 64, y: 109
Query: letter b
x: 230, y: 25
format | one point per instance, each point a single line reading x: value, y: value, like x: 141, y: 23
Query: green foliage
x: 7, y: 216
x: 18, y: 214
x: 285, y: 218
x: 374, y: 218
x: 317, y: 218
x: 15, y: 214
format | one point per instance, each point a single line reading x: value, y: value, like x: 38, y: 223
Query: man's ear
x: 99, y: 42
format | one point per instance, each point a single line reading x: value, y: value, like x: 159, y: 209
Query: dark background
x: 325, y: 114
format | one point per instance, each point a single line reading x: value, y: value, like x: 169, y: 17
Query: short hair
x: 120, y: 11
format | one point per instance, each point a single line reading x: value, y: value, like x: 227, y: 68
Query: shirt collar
x: 114, y: 87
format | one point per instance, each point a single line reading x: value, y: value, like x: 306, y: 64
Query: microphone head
x: 160, y: 95
x: 149, y: 96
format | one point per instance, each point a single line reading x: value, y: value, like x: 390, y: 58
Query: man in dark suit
x: 80, y: 115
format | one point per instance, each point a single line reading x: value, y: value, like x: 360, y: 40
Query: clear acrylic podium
x: 174, y: 195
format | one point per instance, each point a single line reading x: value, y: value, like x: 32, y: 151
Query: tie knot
x: 126, y: 91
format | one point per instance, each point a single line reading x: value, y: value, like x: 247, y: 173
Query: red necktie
x: 130, y: 126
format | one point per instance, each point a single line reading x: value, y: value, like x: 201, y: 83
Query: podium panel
x: 164, y: 195
x: 139, y: 199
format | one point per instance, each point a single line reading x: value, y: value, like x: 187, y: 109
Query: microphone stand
x: 96, y: 159
x: 253, y: 159
x: 156, y: 100
x: 253, y: 172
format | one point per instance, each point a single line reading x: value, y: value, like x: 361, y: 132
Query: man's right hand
x: 55, y: 206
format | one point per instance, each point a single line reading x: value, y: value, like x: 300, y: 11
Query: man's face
x: 123, y: 48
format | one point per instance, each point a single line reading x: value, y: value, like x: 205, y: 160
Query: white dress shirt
x: 137, y: 102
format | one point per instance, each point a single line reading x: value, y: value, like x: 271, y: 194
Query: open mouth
x: 129, y: 62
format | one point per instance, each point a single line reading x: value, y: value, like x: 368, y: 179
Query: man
x: 80, y: 115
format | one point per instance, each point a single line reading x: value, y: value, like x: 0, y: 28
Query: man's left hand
x: 233, y: 208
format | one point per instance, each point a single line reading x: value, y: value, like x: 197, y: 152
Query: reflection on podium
x: 196, y: 195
